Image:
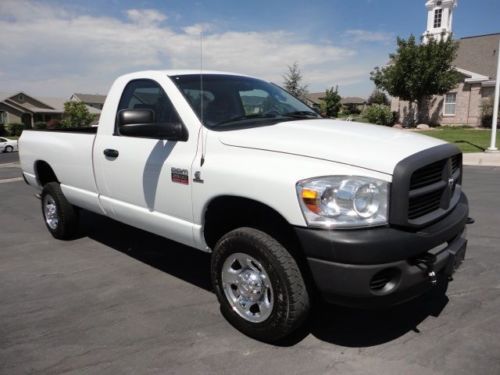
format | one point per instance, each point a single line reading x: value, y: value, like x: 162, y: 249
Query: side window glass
x: 147, y: 94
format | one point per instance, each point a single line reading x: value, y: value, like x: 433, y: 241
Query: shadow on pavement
x: 337, y: 325
x: 364, y: 328
x: 181, y: 261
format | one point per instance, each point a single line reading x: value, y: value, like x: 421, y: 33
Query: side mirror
x: 141, y: 123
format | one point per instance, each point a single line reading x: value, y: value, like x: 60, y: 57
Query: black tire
x: 291, y: 303
x: 67, y: 215
x: 9, y: 149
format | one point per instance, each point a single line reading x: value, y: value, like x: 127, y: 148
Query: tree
x: 330, y: 103
x: 293, y: 82
x: 378, y: 97
x: 418, y: 71
x: 76, y: 114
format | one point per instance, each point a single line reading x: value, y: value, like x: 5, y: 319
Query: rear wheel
x: 9, y: 149
x: 259, y: 285
x: 61, y: 218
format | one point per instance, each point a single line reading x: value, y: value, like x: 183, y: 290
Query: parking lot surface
x: 120, y: 300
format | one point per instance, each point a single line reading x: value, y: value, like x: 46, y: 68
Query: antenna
x: 201, y: 75
x: 202, y: 95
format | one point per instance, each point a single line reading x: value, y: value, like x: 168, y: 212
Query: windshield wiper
x: 302, y: 114
x: 248, y: 117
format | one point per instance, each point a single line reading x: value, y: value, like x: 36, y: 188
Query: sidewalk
x: 491, y: 159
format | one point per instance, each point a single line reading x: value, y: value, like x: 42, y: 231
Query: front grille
x: 455, y: 163
x: 426, y: 186
x: 424, y: 204
x: 430, y: 187
x: 427, y: 175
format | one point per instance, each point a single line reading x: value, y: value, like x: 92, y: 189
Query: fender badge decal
x: 180, y: 176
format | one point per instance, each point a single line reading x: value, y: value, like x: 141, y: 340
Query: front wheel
x: 259, y: 285
x: 61, y: 218
x: 9, y: 149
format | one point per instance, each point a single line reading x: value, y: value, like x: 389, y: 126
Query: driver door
x: 145, y: 182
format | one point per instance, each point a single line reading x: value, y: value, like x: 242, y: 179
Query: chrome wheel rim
x: 50, y: 212
x: 247, y: 287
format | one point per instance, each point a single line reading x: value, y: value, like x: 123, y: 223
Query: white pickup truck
x: 287, y: 202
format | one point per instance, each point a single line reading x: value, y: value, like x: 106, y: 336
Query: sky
x: 56, y: 48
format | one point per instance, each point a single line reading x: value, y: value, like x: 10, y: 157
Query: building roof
x: 52, y: 105
x: 353, y: 100
x: 478, y: 54
x: 315, y: 97
x: 91, y: 98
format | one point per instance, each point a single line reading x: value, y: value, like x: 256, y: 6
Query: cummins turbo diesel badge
x: 180, y: 176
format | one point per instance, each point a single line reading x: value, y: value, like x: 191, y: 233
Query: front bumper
x: 381, y: 266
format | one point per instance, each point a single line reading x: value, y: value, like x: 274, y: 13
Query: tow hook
x: 428, y: 260
x: 470, y: 220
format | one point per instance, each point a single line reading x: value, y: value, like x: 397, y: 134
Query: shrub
x: 15, y: 129
x: 379, y: 114
x: 40, y: 125
x: 352, y: 109
x: 487, y: 112
x: 53, y: 124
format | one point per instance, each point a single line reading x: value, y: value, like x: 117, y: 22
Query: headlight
x: 343, y: 201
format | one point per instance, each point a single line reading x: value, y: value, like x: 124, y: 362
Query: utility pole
x: 493, y: 147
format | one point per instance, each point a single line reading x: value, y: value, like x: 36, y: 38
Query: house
x: 314, y: 99
x: 354, y: 104
x: 27, y: 109
x: 91, y: 100
x: 476, y: 62
x: 22, y: 108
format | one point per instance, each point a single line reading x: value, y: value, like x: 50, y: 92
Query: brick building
x: 476, y: 61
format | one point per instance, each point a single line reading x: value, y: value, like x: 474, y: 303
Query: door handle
x: 111, y: 153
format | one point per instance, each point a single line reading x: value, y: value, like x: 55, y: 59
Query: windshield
x: 222, y: 101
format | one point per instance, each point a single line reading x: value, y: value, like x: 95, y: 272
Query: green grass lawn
x: 472, y: 137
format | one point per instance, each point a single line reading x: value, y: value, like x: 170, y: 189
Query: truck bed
x: 69, y: 152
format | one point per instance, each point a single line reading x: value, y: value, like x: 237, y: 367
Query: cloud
x: 145, y: 16
x: 55, y: 51
x: 198, y: 28
x: 358, y: 35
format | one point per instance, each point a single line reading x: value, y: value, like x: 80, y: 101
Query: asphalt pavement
x: 120, y: 300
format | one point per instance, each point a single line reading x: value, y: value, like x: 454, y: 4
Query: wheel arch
x: 44, y: 173
x: 227, y: 212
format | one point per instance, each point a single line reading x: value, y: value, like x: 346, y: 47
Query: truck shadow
x: 337, y: 325
x: 357, y: 328
x: 181, y: 261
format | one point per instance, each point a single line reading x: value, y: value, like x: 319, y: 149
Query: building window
x: 438, y: 15
x: 450, y: 102
x: 3, y: 117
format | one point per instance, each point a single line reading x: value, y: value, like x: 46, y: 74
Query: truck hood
x: 374, y: 147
